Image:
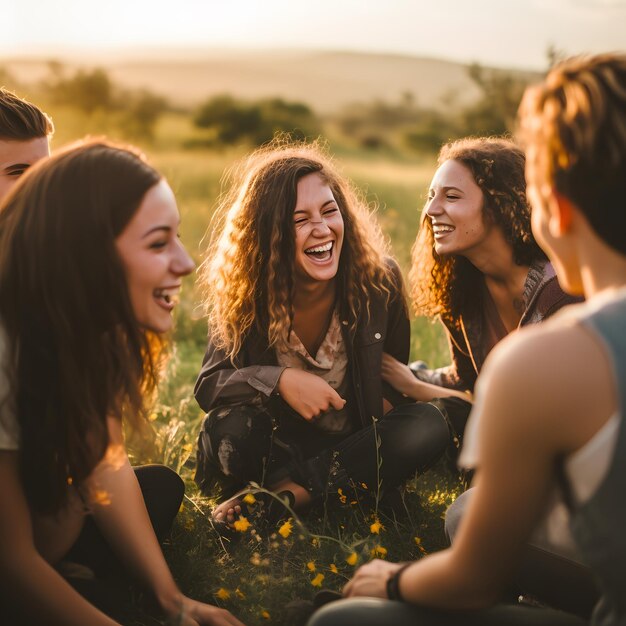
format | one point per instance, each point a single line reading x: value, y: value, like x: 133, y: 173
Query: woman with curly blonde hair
x: 302, y: 303
x: 476, y: 266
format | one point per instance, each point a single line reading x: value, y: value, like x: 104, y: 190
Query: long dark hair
x: 76, y: 354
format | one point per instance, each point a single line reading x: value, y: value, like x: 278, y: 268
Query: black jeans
x: 244, y: 443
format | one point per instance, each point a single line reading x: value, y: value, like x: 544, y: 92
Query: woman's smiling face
x: 319, y: 230
x: 154, y: 258
x: 455, y: 209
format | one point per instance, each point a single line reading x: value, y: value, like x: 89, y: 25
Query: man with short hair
x: 25, y: 131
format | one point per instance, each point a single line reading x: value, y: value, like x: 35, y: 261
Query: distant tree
x: 554, y: 55
x: 133, y: 113
x: 431, y: 130
x: 234, y: 121
x: 86, y: 90
x: 495, y: 112
x: 141, y: 114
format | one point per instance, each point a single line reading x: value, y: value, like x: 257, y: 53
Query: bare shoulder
x: 554, y: 378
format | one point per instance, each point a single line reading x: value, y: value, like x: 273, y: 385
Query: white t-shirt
x: 9, y: 436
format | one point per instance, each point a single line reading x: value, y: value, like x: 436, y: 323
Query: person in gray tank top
x: 548, y: 415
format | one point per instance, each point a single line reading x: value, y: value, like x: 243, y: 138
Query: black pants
x: 243, y: 443
x: 377, y: 612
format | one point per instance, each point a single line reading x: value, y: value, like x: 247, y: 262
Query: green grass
x: 256, y: 576
x: 259, y: 574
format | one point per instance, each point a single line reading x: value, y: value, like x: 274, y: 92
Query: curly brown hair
x: 575, y: 124
x: 249, y: 269
x: 447, y: 285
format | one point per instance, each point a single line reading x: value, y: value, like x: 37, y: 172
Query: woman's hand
x: 398, y: 375
x: 199, y: 614
x: 307, y: 394
x: 371, y: 579
x: 402, y: 379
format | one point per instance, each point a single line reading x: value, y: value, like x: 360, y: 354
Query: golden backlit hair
x: 248, y: 273
x: 574, y: 124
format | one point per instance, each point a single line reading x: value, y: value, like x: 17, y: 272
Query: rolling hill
x: 325, y: 80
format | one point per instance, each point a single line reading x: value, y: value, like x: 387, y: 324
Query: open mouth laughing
x: 322, y: 252
x: 440, y: 230
x: 167, y: 297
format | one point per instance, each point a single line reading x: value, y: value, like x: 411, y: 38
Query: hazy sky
x: 497, y: 32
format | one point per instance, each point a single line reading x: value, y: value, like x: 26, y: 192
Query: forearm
x: 235, y: 386
x: 124, y: 522
x: 440, y: 581
x: 422, y: 391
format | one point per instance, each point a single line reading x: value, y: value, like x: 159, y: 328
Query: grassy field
x: 258, y: 575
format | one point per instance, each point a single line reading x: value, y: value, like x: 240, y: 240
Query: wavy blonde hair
x: 447, y: 285
x: 575, y: 121
x: 249, y: 269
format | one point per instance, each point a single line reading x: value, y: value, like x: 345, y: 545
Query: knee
x: 455, y: 513
x: 417, y: 431
x: 161, y: 480
x: 233, y: 439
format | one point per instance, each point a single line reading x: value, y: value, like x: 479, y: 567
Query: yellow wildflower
x: 333, y: 568
x: 285, y: 530
x: 152, y: 417
x: 364, y: 485
x: 378, y: 551
x: 311, y: 566
x: 342, y: 496
x: 318, y: 580
x: 351, y: 559
x: 223, y: 594
x: 265, y: 614
x: 418, y: 543
x: 249, y: 499
x: 376, y: 527
x: 242, y: 524
x: 240, y: 594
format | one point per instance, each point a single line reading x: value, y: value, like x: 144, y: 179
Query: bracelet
x: 393, y: 584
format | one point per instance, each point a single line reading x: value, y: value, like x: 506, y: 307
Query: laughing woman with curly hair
x: 476, y: 266
x: 302, y: 303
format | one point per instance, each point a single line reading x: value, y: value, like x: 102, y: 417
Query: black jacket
x: 254, y: 372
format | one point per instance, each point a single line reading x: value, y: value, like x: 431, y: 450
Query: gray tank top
x: 599, y: 525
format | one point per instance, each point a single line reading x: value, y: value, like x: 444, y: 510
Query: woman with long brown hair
x: 90, y: 269
x: 302, y: 303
